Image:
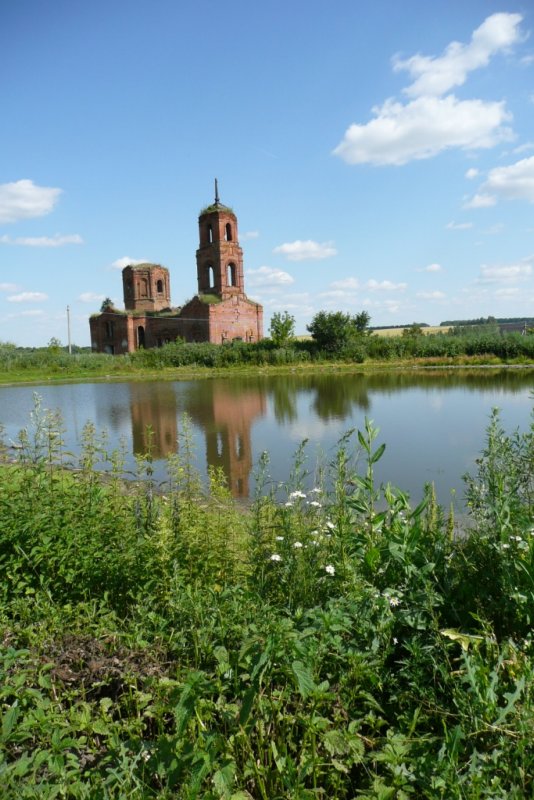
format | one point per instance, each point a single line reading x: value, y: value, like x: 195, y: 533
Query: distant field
x: 426, y: 331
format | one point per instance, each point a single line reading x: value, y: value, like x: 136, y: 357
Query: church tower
x: 219, y: 256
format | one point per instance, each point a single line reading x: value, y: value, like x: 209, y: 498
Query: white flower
x: 330, y: 569
x: 316, y: 490
x: 275, y: 557
x: 505, y: 546
x: 297, y: 494
x: 393, y: 601
x: 395, y: 640
x: 298, y: 545
x: 279, y: 538
x: 289, y: 503
x: 314, y: 533
x: 315, y: 503
x: 330, y: 525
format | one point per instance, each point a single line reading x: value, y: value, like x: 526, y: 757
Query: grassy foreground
x: 335, y: 643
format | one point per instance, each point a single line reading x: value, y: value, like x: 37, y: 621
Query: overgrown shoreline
x: 336, y: 643
x: 183, y: 360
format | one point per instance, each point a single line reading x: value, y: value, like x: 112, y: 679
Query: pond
x: 432, y: 421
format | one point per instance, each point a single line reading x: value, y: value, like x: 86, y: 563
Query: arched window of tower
x: 230, y: 275
x: 228, y: 232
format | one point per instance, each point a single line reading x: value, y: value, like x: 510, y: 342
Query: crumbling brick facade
x: 220, y: 312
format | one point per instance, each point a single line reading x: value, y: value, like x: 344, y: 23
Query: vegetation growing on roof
x: 216, y: 207
x: 209, y: 299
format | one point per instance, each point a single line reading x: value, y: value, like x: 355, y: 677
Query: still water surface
x: 433, y: 422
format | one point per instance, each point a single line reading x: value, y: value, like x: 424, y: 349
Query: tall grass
x: 161, y: 642
x: 508, y: 347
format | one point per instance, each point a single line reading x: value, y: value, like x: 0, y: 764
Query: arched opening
x: 210, y: 274
x: 239, y: 446
x: 143, y: 287
x: 140, y: 336
x: 228, y: 232
x: 209, y: 232
x: 159, y: 286
x: 231, y: 275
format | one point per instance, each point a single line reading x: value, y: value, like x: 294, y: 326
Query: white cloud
x: 481, y: 201
x: 346, y: 283
x: 34, y: 312
x: 523, y: 148
x: 9, y: 287
x: 494, y: 229
x: 431, y: 295
x: 91, y: 297
x: 527, y: 60
x: 471, y: 173
x: 24, y: 200
x: 249, y: 235
x: 438, y: 75
x: 459, y: 226
x: 511, y: 292
x: 506, y: 273
x: 268, y: 277
x: 432, y: 120
x: 433, y: 268
x: 126, y: 261
x: 515, y: 182
x: 385, y: 286
x: 27, y: 297
x: 422, y: 129
x: 43, y: 241
x: 306, y: 250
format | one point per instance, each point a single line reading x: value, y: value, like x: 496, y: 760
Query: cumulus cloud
x: 24, y: 200
x: 91, y: 297
x: 433, y: 120
x: 431, y: 295
x: 515, y: 182
x: 423, y: 128
x: 385, y: 286
x: 432, y: 268
x: 437, y: 75
x: 126, y: 261
x: 458, y: 226
x: 43, y: 241
x: 481, y: 201
x: 27, y: 297
x: 306, y: 250
x: 506, y: 273
x: 471, y: 173
x: 9, y: 287
x: 268, y: 277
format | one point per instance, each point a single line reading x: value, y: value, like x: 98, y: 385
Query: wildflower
x: 330, y: 525
x: 316, y: 490
x: 330, y: 569
x: 279, y: 538
x: 505, y: 546
x: 275, y: 557
x: 298, y: 493
x: 393, y: 601
x: 315, y: 503
x: 289, y: 503
x: 395, y: 640
x: 314, y: 533
x: 298, y: 545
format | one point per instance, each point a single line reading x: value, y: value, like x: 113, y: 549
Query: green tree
x: 361, y: 322
x: 282, y: 328
x: 107, y: 303
x: 334, y: 330
x: 415, y: 329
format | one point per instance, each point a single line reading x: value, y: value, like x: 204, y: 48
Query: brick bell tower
x: 219, y: 256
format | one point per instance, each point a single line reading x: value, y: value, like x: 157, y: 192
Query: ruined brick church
x: 220, y: 312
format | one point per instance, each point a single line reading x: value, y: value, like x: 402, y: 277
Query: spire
x: 217, y: 201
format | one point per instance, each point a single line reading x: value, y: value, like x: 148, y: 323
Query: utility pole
x: 68, y: 330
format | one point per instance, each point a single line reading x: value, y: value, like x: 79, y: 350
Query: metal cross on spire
x: 217, y: 201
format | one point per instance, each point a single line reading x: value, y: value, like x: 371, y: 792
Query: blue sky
x: 379, y: 155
